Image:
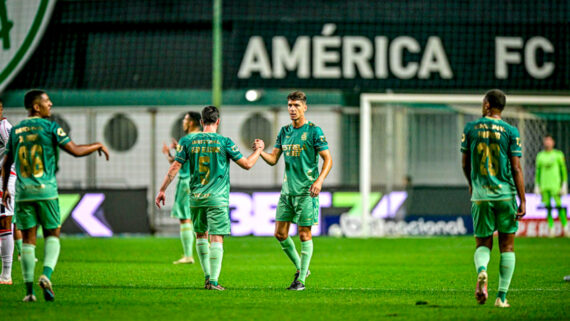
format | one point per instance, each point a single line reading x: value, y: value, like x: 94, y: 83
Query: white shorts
x: 9, y: 211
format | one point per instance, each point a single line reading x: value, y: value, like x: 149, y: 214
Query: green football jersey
x: 184, y: 172
x: 301, y: 147
x: 33, y: 144
x: 550, y: 170
x: 490, y: 143
x: 208, y: 155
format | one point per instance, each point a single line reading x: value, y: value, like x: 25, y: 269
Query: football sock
x: 288, y: 247
x: 18, y: 246
x: 203, y: 250
x: 28, y: 265
x: 216, y: 256
x: 506, y: 269
x: 52, y: 248
x: 482, y: 256
x: 306, y: 254
x: 7, y: 253
x: 561, y: 211
x: 187, y: 238
x: 549, y: 217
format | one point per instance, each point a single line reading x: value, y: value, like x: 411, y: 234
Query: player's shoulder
x: 471, y: 125
x: 314, y: 127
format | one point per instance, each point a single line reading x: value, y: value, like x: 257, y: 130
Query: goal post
x: 397, y: 110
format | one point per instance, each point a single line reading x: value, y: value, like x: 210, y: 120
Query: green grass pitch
x: 352, y: 279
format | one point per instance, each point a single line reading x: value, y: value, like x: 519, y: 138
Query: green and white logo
x: 22, y: 24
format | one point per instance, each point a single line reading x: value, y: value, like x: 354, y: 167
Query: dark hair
x: 496, y: 99
x: 210, y: 115
x: 195, y: 117
x: 31, y: 97
x: 297, y: 95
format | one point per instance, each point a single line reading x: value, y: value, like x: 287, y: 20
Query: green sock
x: 563, y: 218
x: 549, y: 217
x: 306, y: 254
x: 482, y: 256
x: 216, y: 256
x: 18, y: 245
x: 187, y: 238
x: 203, y: 250
x: 28, y: 265
x: 52, y: 248
x: 506, y: 269
x: 288, y: 247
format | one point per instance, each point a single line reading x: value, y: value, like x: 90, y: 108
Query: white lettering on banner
x: 255, y: 213
x: 351, y: 226
x: 505, y: 54
x: 357, y: 53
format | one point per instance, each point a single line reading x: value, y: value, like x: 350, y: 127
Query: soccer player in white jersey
x: 6, y: 212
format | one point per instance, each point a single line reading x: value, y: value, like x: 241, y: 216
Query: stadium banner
x: 419, y: 211
x: 104, y: 212
x: 411, y: 56
x: 22, y: 25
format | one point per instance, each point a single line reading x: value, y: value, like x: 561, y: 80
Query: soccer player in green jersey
x: 302, y: 142
x: 551, y: 181
x: 208, y: 155
x: 491, y: 163
x: 33, y: 147
x: 181, y: 207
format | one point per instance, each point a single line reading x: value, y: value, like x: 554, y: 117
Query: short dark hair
x: 195, y: 117
x: 496, y: 99
x: 31, y: 97
x: 297, y: 95
x: 210, y: 115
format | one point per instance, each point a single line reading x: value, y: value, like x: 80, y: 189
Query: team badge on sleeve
x: 60, y: 132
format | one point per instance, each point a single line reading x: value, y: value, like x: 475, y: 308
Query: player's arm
x: 166, y: 152
x: 247, y: 163
x: 327, y: 166
x: 6, y: 167
x: 170, y: 175
x: 466, y: 166
x: 563, y: 175
x: 84, y: 150
x: 272, y: 158
x: 537, y: 173
x: 519, y: 184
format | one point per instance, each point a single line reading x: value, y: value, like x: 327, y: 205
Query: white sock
x: 7, y: 252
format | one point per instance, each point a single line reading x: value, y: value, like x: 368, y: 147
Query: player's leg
x: 547, y: 204
x: 200, y: 223
x: 219, y: 225
x: 187, y: 239
x: 484, y: 227
x: 50, y: 220
x: 181, y: 211
x: 6, y: 248
x: 27, y: 221
x: 283, y: 218
x: 18, y: 240
x: 507, y: 226
x: 561, y: 211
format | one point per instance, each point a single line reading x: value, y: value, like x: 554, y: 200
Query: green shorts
x: 32, y: 213
x: 548, y: 194
x: 301, y: 210
x: 491, y: 216
x: 181, y: 207
x: 214, y: 220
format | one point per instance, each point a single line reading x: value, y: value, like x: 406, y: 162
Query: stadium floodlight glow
x: 253, y: 95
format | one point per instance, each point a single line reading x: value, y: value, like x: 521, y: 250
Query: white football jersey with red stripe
x: 5, y: 128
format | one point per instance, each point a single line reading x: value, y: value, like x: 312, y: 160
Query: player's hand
x: 165, y: 149
x: 161, y: 197
x: 470, y: 190
x: 6, y: 198
x: 258, y: 144
x: 316, y: 188
x: 536, y: 189
x: 521, y: 211
x: 173, y: 143
x: 103, y: 150
x: 564, y: 189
